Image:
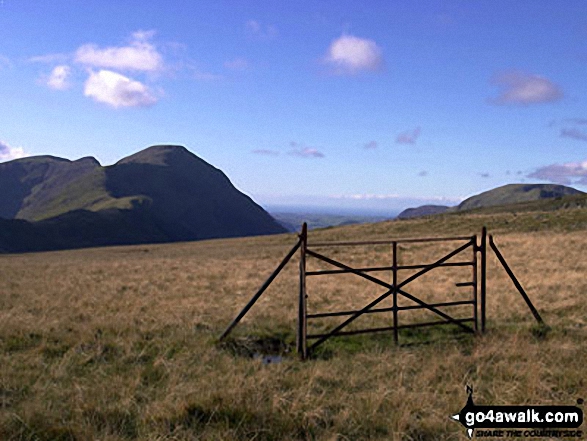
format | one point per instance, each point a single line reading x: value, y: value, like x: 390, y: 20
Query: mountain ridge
x: 164, y: 187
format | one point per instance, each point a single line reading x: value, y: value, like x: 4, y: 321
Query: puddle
x: 268, y: 359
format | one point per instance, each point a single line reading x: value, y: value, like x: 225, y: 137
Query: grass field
x: 121, y: 343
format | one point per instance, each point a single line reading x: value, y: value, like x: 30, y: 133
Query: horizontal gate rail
x: 385, y: 268
x: 389, y: 328
x: 388, y: 242
x: 399, y: 308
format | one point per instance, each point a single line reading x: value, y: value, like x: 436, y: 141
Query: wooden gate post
x: 302, y: 308
x: 475, y: 284
x: 483, y: 250
x: 394, y: 283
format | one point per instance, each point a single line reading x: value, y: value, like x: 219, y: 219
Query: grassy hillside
x: 121, y: 343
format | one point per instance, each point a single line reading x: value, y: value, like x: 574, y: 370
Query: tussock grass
x: 121, y: 343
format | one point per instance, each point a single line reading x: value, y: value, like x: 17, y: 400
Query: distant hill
x: 510, y: 195
x: 515, y: 193
x: 161, y: 194
x: 424, y: 210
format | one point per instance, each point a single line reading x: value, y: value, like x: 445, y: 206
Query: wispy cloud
x: 581, y: 121
x: 237, y: 64
x: 567, y: 174
x: 258, y: 31
x: 409, y: 137
x: 116, y: 90
x: 59, y: 78
x: 370, y: 145
x: 351, y: 55
x: 307, y: 152
x: 5, y: 62
x: 304, y: 152
x: 201, y: 75
x: 8, y: 152
x: 394, y: 196
x: 574, y: 134
x: 139, y: 55
x: 50, y: 58
x: 266, y: 152
x: 520, y: 88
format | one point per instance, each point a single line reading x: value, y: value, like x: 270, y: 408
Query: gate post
x: 475, y: 287
x: 394, y: 269
x: 302, y: 345
x: 483, y: 250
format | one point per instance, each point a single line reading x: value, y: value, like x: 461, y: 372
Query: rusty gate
x: 474, y: 247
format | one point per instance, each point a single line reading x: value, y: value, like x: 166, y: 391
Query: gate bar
x: 399, y: 308
x: 388, y: 242
x: 389, y: 328
x: 261, y: 290
x: 384, y: 268
x: 515, y: 280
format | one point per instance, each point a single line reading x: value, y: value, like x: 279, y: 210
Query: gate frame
x: 478, y: 301
x: 393, y: 289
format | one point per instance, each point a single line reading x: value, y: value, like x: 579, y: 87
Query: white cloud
x: 524, y: 89
x: 349, y: 54
x: 139, y: 55
x: 409, y: 137
x: 116, y: 90
x: 567, y: 174
x: 8, y: 153
x: 58, y: 79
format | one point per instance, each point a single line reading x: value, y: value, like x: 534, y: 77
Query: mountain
x: 162, y: 194
x: 516, y: 193
x: 510, y: 194
x: 423, y: 210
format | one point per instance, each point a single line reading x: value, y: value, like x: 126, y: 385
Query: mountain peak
x: 88, y: 160
x: 157, y: 155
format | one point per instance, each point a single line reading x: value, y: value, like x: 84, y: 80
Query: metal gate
x: 473, y: 246
x: 397, y: 288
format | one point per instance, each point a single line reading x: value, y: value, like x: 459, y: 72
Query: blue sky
x: 325, y: 103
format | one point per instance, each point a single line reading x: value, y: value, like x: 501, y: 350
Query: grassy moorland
x: 120, y: 343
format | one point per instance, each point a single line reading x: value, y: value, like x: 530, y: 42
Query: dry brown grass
x: 120, y: 343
